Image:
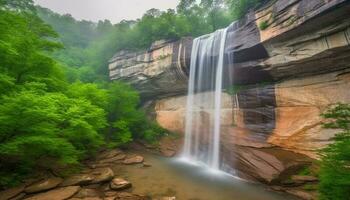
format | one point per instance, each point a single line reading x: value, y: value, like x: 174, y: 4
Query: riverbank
x: 115, y: 174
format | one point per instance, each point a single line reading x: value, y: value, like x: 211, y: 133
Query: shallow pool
x: 171, y: 177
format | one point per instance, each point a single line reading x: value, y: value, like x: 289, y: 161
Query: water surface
x: 170, y: 177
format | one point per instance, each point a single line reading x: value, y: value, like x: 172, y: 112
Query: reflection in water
x: 172, y: 177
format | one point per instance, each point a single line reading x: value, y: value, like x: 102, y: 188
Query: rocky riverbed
x: 115, y: 174
x: 97, y: 181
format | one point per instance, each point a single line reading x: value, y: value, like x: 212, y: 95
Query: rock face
x: 288, y: 73
x: 161, y: 71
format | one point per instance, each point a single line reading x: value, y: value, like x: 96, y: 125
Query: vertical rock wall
x: 285, y: 76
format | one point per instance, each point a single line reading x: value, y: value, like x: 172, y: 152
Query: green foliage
x: 47, y: 122
x: 240, y: 7
x: 335, y: 171
x: 310, y: 187
x: 306, y: 171
x: 263, y: 25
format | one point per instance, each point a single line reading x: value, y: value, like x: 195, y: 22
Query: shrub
x: 335, y: 163
x: 263, y: 25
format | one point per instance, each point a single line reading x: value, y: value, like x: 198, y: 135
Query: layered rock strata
x: 286, y: 74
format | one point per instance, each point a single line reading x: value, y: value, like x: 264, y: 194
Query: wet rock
x: 80, y: 179
x: 56, y: 194
x: 119, y: 184
x: 83, y: 193
x: 133, y: 160
x: 43, y: 185
x: 102, y: 175
x: 10, y: 193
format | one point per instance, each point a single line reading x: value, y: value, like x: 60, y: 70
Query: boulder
x: 112, y: 159
x: 10, y: 193
x: 79, y: 179
x: 133, y: 160
x: 44, y: 185
x: 119, y: 184
x: 102, y: 175
x: 56, y: 194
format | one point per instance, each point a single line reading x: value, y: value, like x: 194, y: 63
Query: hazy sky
x: 114, y: 10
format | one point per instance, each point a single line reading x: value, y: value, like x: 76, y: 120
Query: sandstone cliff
x: 288, y: 74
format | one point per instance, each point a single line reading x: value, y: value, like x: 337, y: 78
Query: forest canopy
x: 46, y: 121
x: 56, y: 104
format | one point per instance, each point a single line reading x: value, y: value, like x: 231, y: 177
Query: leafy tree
x: 46, y: 130
x: 335, y: 163
x: 240, y: 7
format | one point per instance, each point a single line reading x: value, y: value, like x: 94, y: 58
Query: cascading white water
x: 202, y: 132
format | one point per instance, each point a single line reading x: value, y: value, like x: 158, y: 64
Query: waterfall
x: 202, y: 129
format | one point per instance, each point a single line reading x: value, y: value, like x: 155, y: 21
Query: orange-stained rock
x: 300, y: 103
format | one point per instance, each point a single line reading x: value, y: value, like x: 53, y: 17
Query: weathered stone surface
x: 10, y: 193
x: 112, y: 159
x: 79, y: 179
x: 159, y: 70
x: 102, y: 175
x: 119, y: 184
x: 133, y: 160
x: 57, y: 194
x: 44, y: 185
x: 291, y: 72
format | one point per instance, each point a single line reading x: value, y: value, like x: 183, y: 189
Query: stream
x: 168, y: 177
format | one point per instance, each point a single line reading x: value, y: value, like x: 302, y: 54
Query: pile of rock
x: 96, y: 182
